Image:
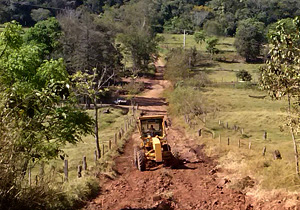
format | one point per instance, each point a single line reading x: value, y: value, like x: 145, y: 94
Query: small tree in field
x: 281, y: 76
x: 199, y: 37
x: 92, y: 85
x: 211, y: 45
x: 244, y: 75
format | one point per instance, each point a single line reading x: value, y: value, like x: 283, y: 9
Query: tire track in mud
x: 193, y: 185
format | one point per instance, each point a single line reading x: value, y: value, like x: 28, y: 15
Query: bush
x: 244, y: 75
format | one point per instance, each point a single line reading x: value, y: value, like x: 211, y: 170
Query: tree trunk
x: 295, y: 152
x: 96, y: 129
x: 293, y: 137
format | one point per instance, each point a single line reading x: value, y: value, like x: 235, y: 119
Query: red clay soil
x: 192, y: 185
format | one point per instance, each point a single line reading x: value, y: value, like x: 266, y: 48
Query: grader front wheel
x: 141, y: 161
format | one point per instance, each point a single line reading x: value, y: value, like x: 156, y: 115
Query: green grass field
x: 109, y: 124
x: 233, y: 105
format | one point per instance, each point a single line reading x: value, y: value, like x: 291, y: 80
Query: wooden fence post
x: 227, y: 126
x: 239, y: 143
x: 109, y: 144
x: 228, y: 141
x: 95, y: 157
x: 36, y: 180
x: 84, y: 163
x: 66, y: 171
x: 264, y: 151
x: 103, y: 152
x: 242, y: 131
x: 200, y: 132
x: 265, y: 135
x: 219, y: 122
x: 116, y: 139
x: 120, y: 135
x: 250, y: 145
x: 79, y: 169
x: 29, y: 175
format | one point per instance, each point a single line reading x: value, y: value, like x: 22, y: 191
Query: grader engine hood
x: 157, y: 148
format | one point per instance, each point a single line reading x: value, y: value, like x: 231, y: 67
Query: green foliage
x: 45, y: 34
x: 212, y: 27
x: 177, y: 67
x: 211, y: 45
x: 40, y: 14
x: 249, y: 38
x: 244, y: 75
x: 178, y: 24
x: 281, y: 74
x: 38, y: 111
x: 199, y: 37
x: 228, y: 13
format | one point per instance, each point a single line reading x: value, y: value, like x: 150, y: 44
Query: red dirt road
x: 193, y: 185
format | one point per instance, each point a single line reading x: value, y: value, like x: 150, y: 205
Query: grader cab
x: 153, y: 147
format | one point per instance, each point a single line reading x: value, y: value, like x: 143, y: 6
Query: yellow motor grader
x: 154, y: 146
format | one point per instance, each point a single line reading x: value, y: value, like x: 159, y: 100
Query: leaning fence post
x: 79, y: 169
x: 84, y: 163
x: 66, y: 172
x: 200, y: 132
x: 264, y: 151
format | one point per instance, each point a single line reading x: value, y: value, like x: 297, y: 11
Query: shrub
x: 244, y: 75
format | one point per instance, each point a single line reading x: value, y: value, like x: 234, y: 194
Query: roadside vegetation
x: 212, y: 93
x: 56, y: 55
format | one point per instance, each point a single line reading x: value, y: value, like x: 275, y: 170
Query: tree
x: 244, y: 75
x: 92, y: 86
x: 211, y: 45
x: 249, y: 39
x: 38, y: 110
x: 40, y: 14
x: 281, y: 74
x: 46, y: 35
x: 134, y: 32
x: 199, y: 37
x: 92, y: 58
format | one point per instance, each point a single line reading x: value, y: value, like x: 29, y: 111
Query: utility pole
x: 184, y: 39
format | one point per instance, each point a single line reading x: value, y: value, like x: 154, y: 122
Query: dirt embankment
x: 192, y: 185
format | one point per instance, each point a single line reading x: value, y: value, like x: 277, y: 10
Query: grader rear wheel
x: 141, y: 161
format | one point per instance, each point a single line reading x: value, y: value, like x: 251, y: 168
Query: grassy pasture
x: 109, y: 124
x: 233, y: 104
